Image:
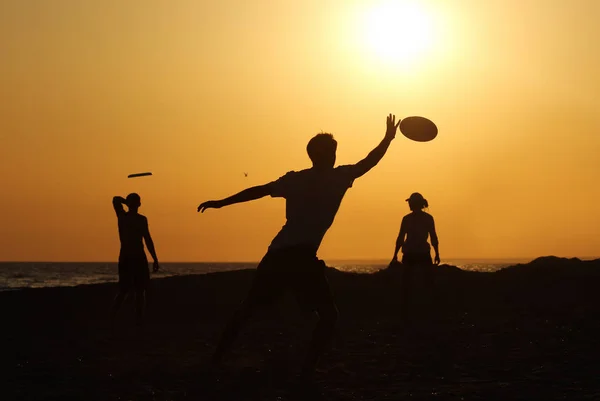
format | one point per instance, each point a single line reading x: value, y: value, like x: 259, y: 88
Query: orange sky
x: 200, y: 91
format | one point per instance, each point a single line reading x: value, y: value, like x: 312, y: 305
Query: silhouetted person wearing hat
x: 313, y: 197
x: 134, y: 274
x: 415, y: 229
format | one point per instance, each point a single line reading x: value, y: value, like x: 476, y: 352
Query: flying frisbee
x: 418, y: 129
x: 138, y: 175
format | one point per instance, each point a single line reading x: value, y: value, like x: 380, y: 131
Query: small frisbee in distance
x: 418, y: 129
x: 138, y: 175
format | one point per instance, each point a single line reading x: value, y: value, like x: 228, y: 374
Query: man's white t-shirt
x: 313, y: 197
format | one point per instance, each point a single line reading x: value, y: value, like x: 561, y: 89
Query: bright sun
x: 397, y: 31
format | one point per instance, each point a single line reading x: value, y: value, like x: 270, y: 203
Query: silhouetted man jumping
x: 133, y: 263
x: 313, y: 197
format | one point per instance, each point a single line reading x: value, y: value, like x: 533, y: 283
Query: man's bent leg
x: 313, y: 292
x: 231, y: 331
x: 322, y: 335
x: 266, y: 287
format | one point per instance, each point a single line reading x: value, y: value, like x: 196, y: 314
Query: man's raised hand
x: 392, y: 126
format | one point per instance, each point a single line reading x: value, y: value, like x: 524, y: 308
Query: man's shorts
x: 297, y: 270
x: 417, y: 258
x: 134, y: 273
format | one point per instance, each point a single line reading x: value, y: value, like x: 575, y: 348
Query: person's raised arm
x: 434, y: 242
x: 244, y: 196
x: 399, y: 241
x: 377, y: 154
x: 118, y: 202
x: 150, y: 246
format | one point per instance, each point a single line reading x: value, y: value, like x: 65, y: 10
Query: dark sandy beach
x: 527, y: 332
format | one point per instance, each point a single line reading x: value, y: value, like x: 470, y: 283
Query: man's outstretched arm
x: 377, y: 154
x: 244, y: 196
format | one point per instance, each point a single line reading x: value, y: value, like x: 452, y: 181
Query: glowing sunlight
x: 397, y: 32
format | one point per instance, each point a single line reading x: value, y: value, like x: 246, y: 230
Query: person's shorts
x: 417, y: 258
x: 297, y: 270
x: 416, y: 266
x: 134, y: 273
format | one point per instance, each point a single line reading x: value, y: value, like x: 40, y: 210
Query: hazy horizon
x: 200, y: 92
x: 365, y: 261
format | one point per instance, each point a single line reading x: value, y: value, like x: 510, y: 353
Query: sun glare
x: 397, y: 31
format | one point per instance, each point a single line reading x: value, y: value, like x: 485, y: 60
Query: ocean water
x: 16, y: 275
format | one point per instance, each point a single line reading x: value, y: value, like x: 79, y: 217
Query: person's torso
x: 312, y: 201
x: 132, y: 227
x: 417, y: 226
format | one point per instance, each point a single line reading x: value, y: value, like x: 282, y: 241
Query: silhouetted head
x: 417, y: 202
x: 321, y: 150
x: 133, y: 201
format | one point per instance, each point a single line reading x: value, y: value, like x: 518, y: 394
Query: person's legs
x: 266, y: 287
x: 322, y: 335
x: 418, y: 275
x: 117, y: 302
x: 231, y: 332
x: 428, y: 279
x: 140, y: 304
x: 313, y: 293
x: 124, y: 286
x: 134, y: 276
x: 141, y: 280
x: 406, y: 284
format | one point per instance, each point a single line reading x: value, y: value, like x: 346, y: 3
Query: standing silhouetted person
x: 414, y: 230
x: 416, y: 227
x: 313, y: 197
x: 134, y: 274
